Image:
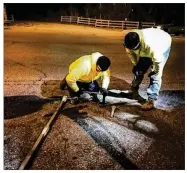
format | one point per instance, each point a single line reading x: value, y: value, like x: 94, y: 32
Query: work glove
x: 103, y: 91
x: 78, y: 93
x: 75, y: 97
x: 74, y: 100
x: 136, y: 71
x: 151, y: 74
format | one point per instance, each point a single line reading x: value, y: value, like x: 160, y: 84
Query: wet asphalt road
x: 36, y: 59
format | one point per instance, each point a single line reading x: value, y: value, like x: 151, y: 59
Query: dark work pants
x: 142, y: 66
x: 155, y: 78
x: 83, y: 86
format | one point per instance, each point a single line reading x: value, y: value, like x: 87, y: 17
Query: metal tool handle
x: 112, y: 112
x: 43, y: 134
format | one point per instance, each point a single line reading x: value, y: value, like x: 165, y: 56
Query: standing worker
x: 83, y: 74
x: 147, y: 48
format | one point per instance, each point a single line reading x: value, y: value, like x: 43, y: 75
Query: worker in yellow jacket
x: 83, y: 75
x: 148, y: 48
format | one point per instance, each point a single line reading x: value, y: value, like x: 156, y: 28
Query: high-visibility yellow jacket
x: 84, y: 70
x: 153, y: 44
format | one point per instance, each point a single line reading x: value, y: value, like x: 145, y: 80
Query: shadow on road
x: 18, y: 106
x: 99, y: 133
x: 170, y: 129
x: 170, y: 124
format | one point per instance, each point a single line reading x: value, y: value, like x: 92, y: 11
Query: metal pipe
x: 43, y: 134
x: 104, y: 96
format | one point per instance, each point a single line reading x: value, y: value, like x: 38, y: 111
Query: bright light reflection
x: 126, y: 116
x: 147, y: 126
x: 120, y: 137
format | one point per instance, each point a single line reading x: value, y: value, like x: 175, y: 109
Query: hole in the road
x: 167, y: 98
x: 52, y: 87
x: 17, y: 106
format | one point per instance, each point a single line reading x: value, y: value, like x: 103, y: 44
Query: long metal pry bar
x: 43, y: 133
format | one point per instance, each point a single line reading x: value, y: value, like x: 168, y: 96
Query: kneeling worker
x: 84, y: 72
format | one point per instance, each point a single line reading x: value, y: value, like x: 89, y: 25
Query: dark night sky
x: 47, y: 11
x: 31, y: 11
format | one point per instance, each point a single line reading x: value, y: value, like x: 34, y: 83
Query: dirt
x: 85, y: 136
x: 85, y: 140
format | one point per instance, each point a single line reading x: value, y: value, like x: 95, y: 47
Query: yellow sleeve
x: 132, y: 56
x: 106, y: 79
x: 74, y: 76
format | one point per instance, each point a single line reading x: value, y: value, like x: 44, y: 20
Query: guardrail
x: 132, y: 25
x: 101, y: 22
x: 147, y: 24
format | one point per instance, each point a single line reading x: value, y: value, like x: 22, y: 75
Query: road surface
x: 36, y: 58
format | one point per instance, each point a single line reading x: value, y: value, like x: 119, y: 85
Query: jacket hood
x: 95, y: 57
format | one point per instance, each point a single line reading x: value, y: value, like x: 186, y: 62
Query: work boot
x: 148, y: 105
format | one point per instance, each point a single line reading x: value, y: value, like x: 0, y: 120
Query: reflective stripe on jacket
x: 84, y: 70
